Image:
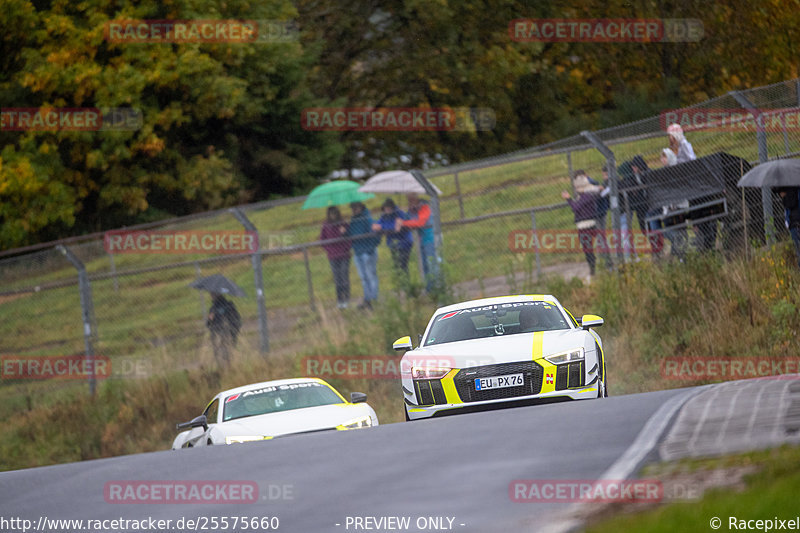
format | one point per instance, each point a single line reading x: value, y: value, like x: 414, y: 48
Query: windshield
x: 495, y: 321
x: 274, y: 399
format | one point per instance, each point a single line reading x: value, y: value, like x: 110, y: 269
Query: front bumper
x: 544, y: 382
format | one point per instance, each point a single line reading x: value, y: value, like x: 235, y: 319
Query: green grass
x: 770, y: 493
x: 57, y: 421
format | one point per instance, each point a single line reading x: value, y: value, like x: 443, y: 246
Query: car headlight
x: 566, y: 357
x: 362, y: 422
x: 426, y: 372
x: 244, y: 438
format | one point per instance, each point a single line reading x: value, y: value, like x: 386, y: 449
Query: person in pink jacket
x: 338, y: 254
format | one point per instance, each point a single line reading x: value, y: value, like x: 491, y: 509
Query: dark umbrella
x: 218, y: 284
x: 778, y: 173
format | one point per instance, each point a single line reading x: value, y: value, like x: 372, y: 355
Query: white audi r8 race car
x: 504, y: 351
x: 272, y: 409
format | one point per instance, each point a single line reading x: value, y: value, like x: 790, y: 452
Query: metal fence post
x: 258, y: 278
x: 536, y: 240
x: 200, y: 295
x: 308, y: 279
x: 611, y: 163
x: 114, y: 272
x: 87, y: 312
x: 458, y: 194
x: 766, y: 192
x: 570, y: 172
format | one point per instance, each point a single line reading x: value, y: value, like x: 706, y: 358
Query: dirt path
x: 500, y: 286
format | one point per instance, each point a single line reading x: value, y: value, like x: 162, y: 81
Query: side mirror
x: 591, y: 321
x: 358, y: 397
x: 403, y: 343
x: 200, y: 421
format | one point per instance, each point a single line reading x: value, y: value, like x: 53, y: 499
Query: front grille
x: 429, y: 392
x: 465, y: 381
x: 570, y: 375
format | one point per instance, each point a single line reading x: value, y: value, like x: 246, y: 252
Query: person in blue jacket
x: 365, y: 252
x: 400, y: 242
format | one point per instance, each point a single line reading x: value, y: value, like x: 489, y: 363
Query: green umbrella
x: 335, y: 193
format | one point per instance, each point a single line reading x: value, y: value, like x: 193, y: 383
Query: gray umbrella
x: 217, y: 284
x: 778, y: 173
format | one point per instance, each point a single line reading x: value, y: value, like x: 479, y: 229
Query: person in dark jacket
x: 398, y: 242
x: 224, y: 323
x: 365, y: 251
x: 585, y: 209
x: 338, y: 254
x: 790, y: 196
x: 603, y: 191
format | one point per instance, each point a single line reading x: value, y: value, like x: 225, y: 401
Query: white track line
x: 629, y: 461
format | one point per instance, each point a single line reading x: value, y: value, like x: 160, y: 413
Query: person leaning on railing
x: 400, y: 242
x: 585, y: 209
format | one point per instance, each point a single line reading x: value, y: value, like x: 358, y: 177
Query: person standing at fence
x: 706, y: 231
x: 601, y: 211
x: 679, y: 145
x: 419, y: 212
x: 677, y: 237
x: 224, y: 323
x: 790, y: 196
x: 585, y: 209
x: 365, y: 251
x: 400, y: 242
x: 635, y: 200
x: 338, y: 254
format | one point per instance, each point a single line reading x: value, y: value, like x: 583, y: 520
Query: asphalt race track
x: 451, y: 473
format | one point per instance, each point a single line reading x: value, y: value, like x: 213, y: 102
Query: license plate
x: 499, y: 382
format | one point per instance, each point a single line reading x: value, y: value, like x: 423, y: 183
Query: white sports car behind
x: 272, y: 409
x: 510, y: 350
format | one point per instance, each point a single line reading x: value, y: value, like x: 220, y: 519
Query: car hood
x: 295, y: 421
x: 493, y: 350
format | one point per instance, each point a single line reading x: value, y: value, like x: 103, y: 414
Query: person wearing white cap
x: 679, y: 145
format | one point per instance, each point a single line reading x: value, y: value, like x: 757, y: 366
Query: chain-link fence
x: 503, y: 221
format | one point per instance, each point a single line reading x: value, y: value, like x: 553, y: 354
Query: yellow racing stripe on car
x: 548, y: 376
x: 449, y: 387
x: 538, y: 342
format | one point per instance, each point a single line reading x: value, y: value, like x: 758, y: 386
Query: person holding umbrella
x: 338, y: 254
x: 784, y: 176
x: 398, y: 242
x: 224, y: 323
x: 223, y: 320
